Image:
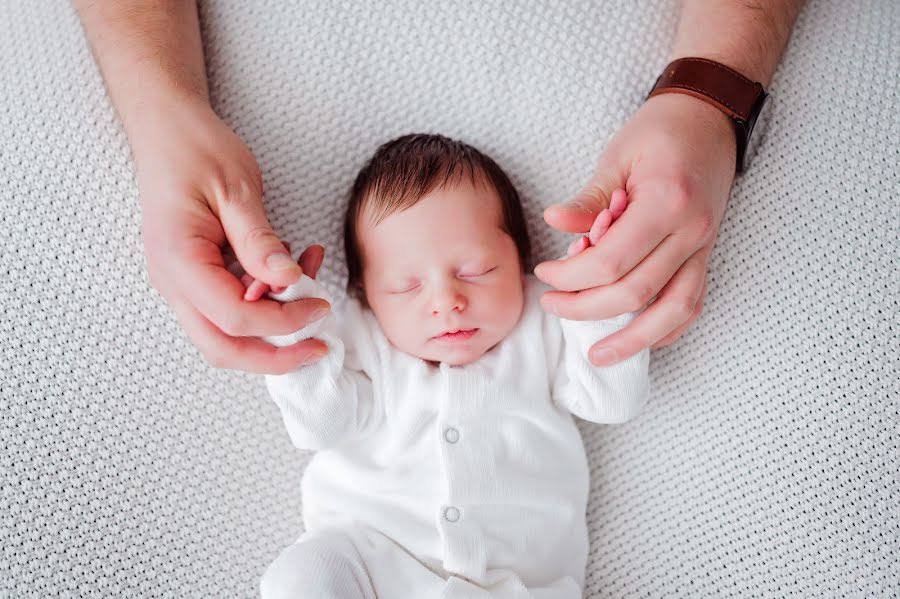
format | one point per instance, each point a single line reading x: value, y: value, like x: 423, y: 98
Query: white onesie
x: 445, y: 481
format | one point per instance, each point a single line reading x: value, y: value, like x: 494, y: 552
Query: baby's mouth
x: 456, y: 335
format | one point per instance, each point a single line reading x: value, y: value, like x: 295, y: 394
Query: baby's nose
x: 448, y: 299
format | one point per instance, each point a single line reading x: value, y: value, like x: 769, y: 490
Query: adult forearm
x: 747, y: 35
x: 149, y: 53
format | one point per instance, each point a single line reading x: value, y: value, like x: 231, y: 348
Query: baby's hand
x: 607, y: 216
x: 310, y: 261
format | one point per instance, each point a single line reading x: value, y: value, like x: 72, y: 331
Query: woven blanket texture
x: 766, y: 462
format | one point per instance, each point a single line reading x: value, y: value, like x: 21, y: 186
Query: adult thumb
x: 578, y: 214
x: 257, y: 247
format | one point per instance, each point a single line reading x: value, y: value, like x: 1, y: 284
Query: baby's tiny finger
x: 311, y: 259
x: 578, y: 246
x: 601, y: 224
x: 618, y: 203
x: 256, y: 290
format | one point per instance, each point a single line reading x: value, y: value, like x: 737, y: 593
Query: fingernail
x: 604, y: 356
x: 279, y: 261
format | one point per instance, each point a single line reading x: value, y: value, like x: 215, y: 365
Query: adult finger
x: 259, y: 250
x: 674, y: 335
x: 578, y: 214
x: 635, y: 234
x: 630, y: 293
x: 243, y: 353
x: 217, y: 295
x: 674, y: 304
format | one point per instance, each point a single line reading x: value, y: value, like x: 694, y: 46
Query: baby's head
x: 436, y: 242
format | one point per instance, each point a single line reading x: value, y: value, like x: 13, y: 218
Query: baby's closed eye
x: 477, y: 272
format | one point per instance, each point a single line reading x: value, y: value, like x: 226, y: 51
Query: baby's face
x: 443, y: 265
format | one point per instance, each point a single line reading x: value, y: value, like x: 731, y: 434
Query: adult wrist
x: 153, y: 114
x: 706, y: 117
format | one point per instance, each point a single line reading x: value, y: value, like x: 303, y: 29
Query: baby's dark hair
x: 406, y: 169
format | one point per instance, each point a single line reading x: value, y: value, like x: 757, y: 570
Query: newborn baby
x: 448, y: 462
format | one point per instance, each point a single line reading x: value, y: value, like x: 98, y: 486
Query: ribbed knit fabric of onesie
x: 448, y: 462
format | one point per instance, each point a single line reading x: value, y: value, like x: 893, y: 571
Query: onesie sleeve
x: 604, y: 394
x: 336, y: 398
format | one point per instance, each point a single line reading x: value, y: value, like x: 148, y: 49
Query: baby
x: 448, y: 462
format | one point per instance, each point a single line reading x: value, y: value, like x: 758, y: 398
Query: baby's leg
x: 321, y: 565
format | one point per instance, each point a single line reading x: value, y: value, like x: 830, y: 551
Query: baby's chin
x: 455, y: 354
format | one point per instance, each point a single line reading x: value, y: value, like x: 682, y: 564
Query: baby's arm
x: 608, y: 394
x: 333, y: 399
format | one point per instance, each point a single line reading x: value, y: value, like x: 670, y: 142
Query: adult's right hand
x: 200, y: 189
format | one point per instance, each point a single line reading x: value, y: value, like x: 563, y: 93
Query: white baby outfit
x: 440, y: 482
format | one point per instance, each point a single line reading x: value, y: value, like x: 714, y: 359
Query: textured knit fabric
x: 478, y: 470
x: 765, y: 462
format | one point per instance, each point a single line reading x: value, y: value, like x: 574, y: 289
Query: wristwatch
x: 745, y: 102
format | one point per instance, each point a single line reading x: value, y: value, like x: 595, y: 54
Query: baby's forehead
x: 448, y: 221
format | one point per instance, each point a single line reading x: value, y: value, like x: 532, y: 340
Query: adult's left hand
x: 675, y: 157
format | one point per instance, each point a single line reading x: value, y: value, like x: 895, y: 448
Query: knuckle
x: 237, y: 190
x: 233, y: 325
x: 258, y: 234
x: 640, y: 294
x: 684, y: 308
x: 608, y: 272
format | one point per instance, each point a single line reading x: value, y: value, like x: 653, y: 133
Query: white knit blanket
x: 766, y: 462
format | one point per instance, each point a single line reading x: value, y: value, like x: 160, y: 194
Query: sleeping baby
x: 448, y: 463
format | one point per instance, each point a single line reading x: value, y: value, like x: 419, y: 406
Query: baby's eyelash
x: 407, y: 290
x: 481, y: 273
x: 416, y: 286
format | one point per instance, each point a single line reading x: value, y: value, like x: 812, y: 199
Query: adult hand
x: 200, y: 189
x: 310, y: 261
x: 675, y: 158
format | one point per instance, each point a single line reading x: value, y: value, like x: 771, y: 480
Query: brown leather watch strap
x: 711, y: 81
